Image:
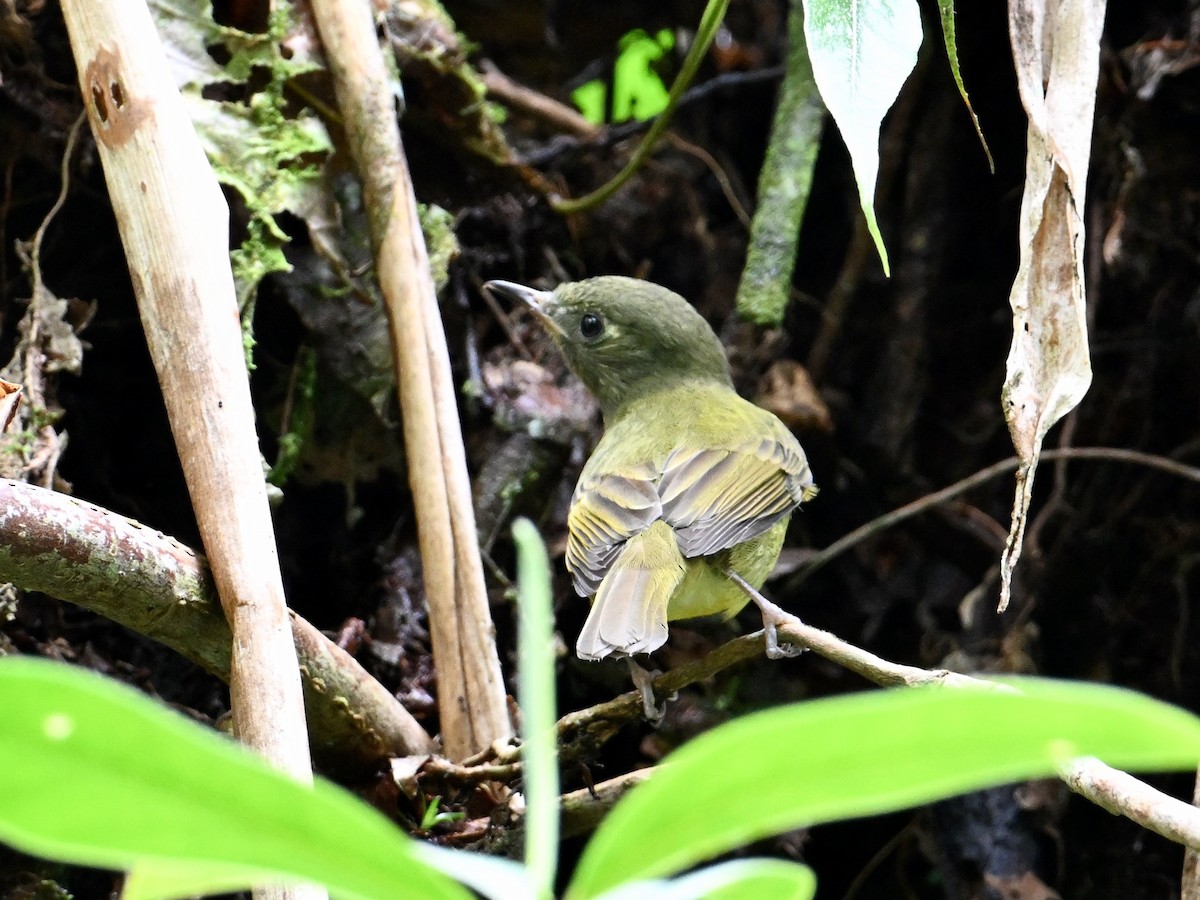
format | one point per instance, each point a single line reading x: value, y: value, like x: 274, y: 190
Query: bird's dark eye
x: 591, y: 326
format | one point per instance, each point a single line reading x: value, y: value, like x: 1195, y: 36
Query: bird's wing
x: 717, y: 498
x: 606, y: 511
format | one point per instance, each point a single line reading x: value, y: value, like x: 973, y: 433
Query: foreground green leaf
x: 865, y: 754
x: 539, y: 750
x: 741, y: 879
x: 91, y: 772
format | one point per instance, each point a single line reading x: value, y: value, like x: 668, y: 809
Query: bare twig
x: 541, y: 107
x: 175, y: 229
x: 1190, y: 882
x: 471, y: 696
x: 581, y: 811
x: 731, y: 197
x: 1110, y: 454
x: 1123, y: 795
x: 1116, y: 791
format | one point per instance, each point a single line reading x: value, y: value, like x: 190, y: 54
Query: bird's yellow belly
x: 706, y: 590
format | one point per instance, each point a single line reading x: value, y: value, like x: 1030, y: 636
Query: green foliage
x: 946, y: 14
x: 869, y: 753
x: 141, y: 782
x: 435, y: 816
x: 638, y: 91
x: 273, y: 159
x: 93, y: 772
x: 535, y: 623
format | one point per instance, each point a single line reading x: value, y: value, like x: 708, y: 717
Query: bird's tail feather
x: 629, y: 614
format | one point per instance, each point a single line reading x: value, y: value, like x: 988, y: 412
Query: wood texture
x: 174, y: 226
x: 471, y: 696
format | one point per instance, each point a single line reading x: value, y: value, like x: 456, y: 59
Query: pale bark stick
x: 174, y: 226
x: 1190, y: 883
x: 471, y: 696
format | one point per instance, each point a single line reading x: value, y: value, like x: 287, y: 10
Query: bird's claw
x: 643, y: 680
x: 774, y: 649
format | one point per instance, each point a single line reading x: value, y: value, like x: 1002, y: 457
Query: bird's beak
x: 539, y: 302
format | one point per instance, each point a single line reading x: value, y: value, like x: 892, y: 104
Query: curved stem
x: 714, y: 12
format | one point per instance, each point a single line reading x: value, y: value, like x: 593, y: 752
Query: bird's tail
x: 629, y: 614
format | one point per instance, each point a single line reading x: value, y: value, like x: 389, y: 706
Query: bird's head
x: 623, y: 337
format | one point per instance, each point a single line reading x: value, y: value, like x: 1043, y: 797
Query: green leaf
x: 590, y: 97
x: 91, y: 772
x: 742, y: 879
x: 491, y: 876
x: 539, y: 750
x: 946, y: 12
x: 865, y: 754
x: 638, y: 91
x: 862, y: 51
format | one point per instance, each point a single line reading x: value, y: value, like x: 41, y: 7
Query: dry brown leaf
x: 1056, y: 47
x: 788, y: 391
x: 10, y: 398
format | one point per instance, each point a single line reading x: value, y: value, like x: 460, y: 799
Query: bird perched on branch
x: 689, y: 483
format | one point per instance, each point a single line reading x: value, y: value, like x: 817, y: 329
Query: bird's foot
x: 643, y: 680
x: 774, y: 649
x: 772, y: 617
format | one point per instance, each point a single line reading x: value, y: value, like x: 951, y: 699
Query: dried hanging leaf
x: 1056, y: 48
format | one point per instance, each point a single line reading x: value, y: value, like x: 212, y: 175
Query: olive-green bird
x: 689, y: 481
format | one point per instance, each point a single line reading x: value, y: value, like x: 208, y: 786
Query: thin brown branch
x: 1116, y: 791
x: 1110, y: 454
x: 581, y: 812
x: 1190, y: 882
x: 731, y: 197
x: 153, y: 584
x: 546, y: 109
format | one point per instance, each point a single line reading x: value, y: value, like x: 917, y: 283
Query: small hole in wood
x: 118, y: 94
x: 100, y: 103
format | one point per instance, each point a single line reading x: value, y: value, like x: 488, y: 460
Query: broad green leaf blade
x: 157, y: 881
x: 92, y: 772
x: 742, y: 879
x: 865, y: 754
x: 749, y: 879
x: 862, y: 51
x: 491, y: 876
